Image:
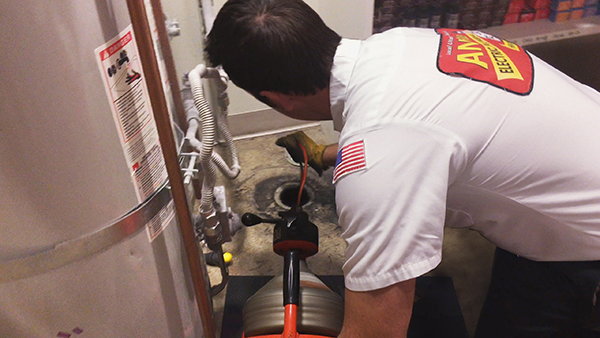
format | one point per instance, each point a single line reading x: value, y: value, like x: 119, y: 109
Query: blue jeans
x: 529, y: 299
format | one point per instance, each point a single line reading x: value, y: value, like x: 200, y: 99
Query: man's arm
x: 330, y: 154
x: 381, y: 313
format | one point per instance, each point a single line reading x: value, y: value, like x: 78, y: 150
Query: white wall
x: 188, y: 46
x: 349, y: 18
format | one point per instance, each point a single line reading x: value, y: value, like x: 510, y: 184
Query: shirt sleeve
x: 392, y: 212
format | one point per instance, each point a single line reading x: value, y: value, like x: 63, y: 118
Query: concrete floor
x: 467, y: 256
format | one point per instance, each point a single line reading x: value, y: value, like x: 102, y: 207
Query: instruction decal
x: 123, y: 79
x: 485, y: 58
x: 160, y: 221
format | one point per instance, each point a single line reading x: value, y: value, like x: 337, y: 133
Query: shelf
x: 541, y: 31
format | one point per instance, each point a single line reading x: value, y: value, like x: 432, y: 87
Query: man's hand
x: 314, y: 151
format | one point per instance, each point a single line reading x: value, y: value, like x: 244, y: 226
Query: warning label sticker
x: 486, y: 58
x: 160, y: 221
x: 122, y: 73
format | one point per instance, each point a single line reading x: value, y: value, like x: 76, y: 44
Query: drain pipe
x: 139, y: 21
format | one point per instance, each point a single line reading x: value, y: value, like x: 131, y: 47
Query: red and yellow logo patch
x: 486, y: 58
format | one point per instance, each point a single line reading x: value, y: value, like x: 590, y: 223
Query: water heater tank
x: 77, y: 254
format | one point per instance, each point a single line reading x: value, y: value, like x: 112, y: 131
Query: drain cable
x: 303, y: 172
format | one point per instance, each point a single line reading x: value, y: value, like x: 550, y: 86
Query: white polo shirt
x: 523, y: 169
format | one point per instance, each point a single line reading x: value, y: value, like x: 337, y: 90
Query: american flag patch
x: 350, y: 159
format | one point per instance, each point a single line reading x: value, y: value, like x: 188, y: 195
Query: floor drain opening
x: 287, y: 195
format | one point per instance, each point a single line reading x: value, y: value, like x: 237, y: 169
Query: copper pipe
x: 163, y: 39
x: 143, y: 36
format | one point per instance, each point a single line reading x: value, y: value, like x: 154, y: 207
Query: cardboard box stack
x: 560, y: 10
x: 514, y: 11
x: 413, y: 13
x: 591, y: 8
x: 541, y: 8
x: 476, y: 14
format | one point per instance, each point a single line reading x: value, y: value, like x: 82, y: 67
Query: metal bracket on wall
x: 66, y: 252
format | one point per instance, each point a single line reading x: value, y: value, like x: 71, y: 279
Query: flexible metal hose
x: 208, y: 139
x: 224, y: 127
x: 193, y: 119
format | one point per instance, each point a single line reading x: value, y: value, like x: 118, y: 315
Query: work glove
x: 314, y: 151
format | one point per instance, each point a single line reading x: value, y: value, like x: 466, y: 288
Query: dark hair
x: 278, y: 45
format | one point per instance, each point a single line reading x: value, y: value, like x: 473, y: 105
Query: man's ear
x: 283, y: 101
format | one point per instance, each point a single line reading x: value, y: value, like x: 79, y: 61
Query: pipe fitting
x: 213, y: 232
